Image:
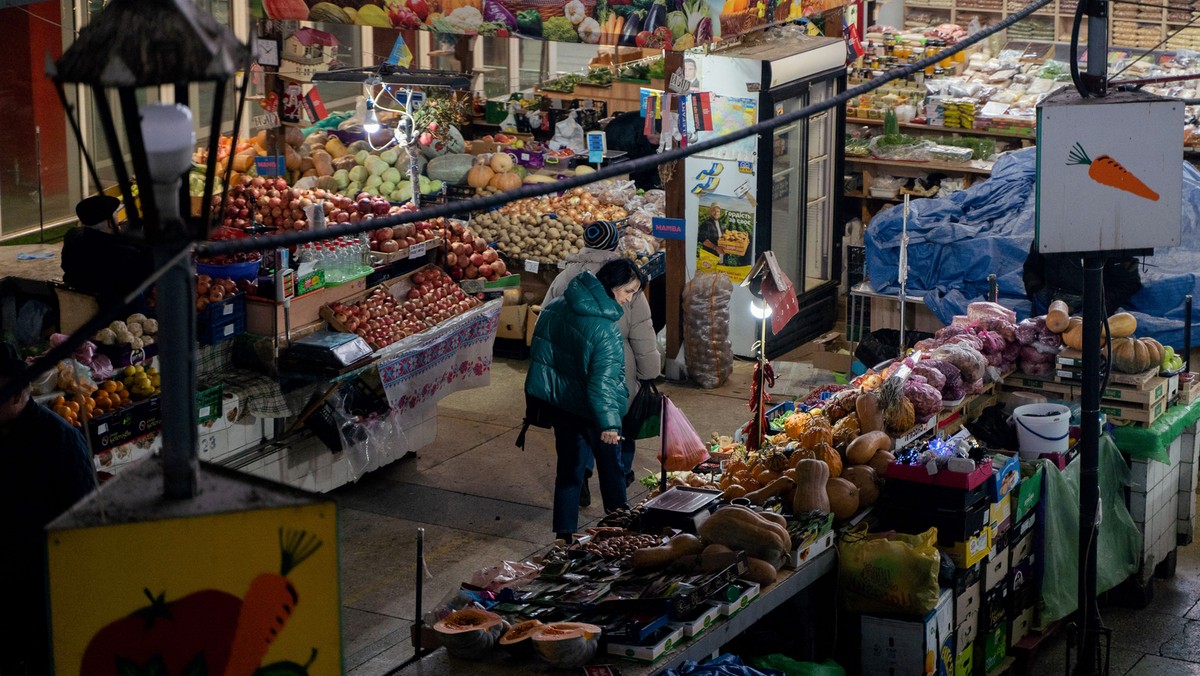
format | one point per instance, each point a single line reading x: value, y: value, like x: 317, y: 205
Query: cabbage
x: 678, y: 24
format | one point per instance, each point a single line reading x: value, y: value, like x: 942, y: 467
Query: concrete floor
x: 481, y: 500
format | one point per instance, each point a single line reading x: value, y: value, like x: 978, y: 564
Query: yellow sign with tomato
x: 216, y: 594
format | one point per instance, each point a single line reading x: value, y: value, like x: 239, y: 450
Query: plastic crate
x: 856, y: 264
x: 222, y: 311
x: 656, y: 266
x: 212, y: 334
x: 210, y: 403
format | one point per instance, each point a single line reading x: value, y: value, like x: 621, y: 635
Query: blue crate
x: 222, y: 311
x: 785, y: 407
x: 656, y: 266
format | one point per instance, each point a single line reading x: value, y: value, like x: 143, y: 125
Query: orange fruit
x: 62, y: 410
x: 73, y: 405
x: 59, y: 401
x: 108, y: 386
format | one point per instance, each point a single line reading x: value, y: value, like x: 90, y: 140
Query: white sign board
x: 1109, y: 173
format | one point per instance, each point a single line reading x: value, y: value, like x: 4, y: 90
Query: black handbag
x: 645, y: 413
x: 538, y: 413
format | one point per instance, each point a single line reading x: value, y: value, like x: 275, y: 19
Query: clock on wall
x: 266, y: 52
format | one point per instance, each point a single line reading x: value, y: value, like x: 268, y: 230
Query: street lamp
x: 133, y: 45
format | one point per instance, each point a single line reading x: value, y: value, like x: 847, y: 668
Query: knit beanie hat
x: 601, y: 235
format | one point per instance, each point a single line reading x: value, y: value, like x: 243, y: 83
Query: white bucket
x: 1042, y: 428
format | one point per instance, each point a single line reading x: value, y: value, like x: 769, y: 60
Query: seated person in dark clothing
x: 51, y: 470
x: 1050, y: 277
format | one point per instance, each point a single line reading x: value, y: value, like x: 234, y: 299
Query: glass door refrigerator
x: 774, y: 192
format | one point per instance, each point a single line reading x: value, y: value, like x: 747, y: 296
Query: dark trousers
x: 577, y: 443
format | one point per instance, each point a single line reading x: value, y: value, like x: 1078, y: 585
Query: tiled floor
x: 481, y: 500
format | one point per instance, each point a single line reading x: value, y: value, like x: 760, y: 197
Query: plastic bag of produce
x: 615, y: 193
x: 706, y: 329
x: 888, y: 572
x: 682, y: 448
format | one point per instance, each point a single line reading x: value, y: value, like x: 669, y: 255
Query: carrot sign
x: 209, y: 631
x: 1107, y: 171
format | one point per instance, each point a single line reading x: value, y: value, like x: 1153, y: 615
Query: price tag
x: 102, y: 428
x: 562, y: 265
x: 417, y: 250
x: 531, y: 265
x: 204, y: 411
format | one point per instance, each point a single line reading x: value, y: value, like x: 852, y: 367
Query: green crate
x: 209, y: 403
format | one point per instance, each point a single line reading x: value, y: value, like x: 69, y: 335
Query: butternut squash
x: 865, y: 446
x: 677, y: 547
x: 1058, y: 318
x: 743, y: 529
x: 1121, y: 325
x: 865, y: 479
x: 760, y: 572
x: 776, y: 488
x: 880, y: 463
x: 811, y: 477
x: 843, y: 498
x: 1073, y: 336
x: 870, y: 415
x: 323, y: 163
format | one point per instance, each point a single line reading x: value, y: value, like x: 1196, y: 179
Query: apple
x: 389, y: 246
x: 476, y: 260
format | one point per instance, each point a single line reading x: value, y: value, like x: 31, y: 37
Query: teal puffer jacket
x: 577, y: 359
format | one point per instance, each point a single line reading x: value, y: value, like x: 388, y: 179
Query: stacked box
x: 967, y: 604
x: 1154, y: 504
x: 1189, y: 453
x: 904, y: 645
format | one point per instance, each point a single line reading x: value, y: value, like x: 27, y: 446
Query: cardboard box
x: 531, y: 322
x: 1000, y: 515
x: 266, y: 317
x: 1029, y: 491
x: 968, y: 595
x: 897, y: 645
x: 731, y: 608
x: 664, y: 640
x: 964, y: 662
x: 995, y: 567
x: 995, y: 606
x: 912, y: 435
x: 496, y: 285
x: 967, y: 630
x: 698, y: 622
x: 512, y: 322
x: 829, y: 352
x: 1022, y: 550
x: 1006, y: 474
x: 1021, y: 625
x: 125, y: 424
x: 971, y: 552
x: 994, y: 647
x: 801, y: 555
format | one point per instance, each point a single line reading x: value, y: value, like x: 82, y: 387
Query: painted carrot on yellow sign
x: 1107, y: 171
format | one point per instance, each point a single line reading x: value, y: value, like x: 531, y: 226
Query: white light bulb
x: 760, y: 309
x: 371, y: 122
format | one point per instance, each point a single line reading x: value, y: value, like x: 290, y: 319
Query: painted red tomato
x: 191, y: 635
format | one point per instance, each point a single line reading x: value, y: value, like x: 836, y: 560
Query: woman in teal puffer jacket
x: 577, y: 368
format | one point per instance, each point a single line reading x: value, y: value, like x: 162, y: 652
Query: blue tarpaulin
x: 956, y: 242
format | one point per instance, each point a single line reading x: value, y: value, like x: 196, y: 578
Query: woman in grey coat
x: 642, y: 361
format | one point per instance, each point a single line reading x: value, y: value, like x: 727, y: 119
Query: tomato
x: 419, y: 7
x: 175, y: 638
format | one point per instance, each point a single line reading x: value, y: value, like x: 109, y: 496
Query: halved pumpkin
x: 470, y: 633
x: 566, y: 645
x: 517, y: 641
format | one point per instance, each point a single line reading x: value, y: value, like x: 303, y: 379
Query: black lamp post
x: 129, y: 46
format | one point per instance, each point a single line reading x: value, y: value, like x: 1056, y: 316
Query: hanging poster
x: 723, y: 241
x: 656, y: 24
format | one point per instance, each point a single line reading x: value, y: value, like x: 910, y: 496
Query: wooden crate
x: 417, y: 251
x: 1140, y: 415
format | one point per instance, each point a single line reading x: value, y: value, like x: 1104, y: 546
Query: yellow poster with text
x: 217, y: 594
x: 723, y: 242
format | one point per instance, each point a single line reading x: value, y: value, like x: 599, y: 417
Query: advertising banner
x: 657, y: 24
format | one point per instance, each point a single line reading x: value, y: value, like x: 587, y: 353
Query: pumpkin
x: 1073, y: 336
x: 470, y: 633
x: 776, y: 461
x: 566, y: 645
x: 843, y: 498
x: 1122, y: 325
x: 453, y: 168
x: 900, y: 418
x: 795, y: 424
x: 863, y: 478
x: 825, y: 453
x: 870, y: 416
x: 1058, y: 318
x: 734, y: 491
x: 505, y: 181
x: 865, y: 446
x: 845, y: 430
x: 677, y: 547
x: 501, y: 163
x: 811, y: 477
x: 516, y: 641
x: 1135, y: 355
x: 880, y: 461
x: 480, y: 175
x: 817, y: 432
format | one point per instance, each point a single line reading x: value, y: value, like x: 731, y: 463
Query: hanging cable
x: 641, y: 164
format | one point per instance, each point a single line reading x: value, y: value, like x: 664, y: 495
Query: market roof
x: 141, y: 43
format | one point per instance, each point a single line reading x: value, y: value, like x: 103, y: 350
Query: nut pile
x: 616, y: 546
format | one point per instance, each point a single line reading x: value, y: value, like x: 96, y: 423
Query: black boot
x: 585, y: 495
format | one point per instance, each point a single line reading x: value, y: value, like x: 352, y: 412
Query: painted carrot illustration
x: 268, y: 604
x: 1107, y: 171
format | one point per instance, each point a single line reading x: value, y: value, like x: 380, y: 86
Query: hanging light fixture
x: 129, y: 47
x: 371, y: 120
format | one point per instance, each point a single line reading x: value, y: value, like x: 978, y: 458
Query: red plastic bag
x: 682, y: 448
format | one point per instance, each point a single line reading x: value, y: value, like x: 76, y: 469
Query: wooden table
x: 791, y: 582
